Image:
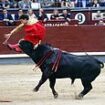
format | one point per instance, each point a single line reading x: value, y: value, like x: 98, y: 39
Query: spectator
x: 6, y: 17
x: 31, y: 14
x: 82, y: 3
x: 24, y: 4
x: 103, y: 16
x: 5, y: 4
x: 35, y: 4
x: 17, y: 16
x: 68, y: 3
x: 65, y: 3
x: 72, y: 3
x: 102, y: 3
x: 65, y: 15
x: 55, y: 15
x: 98, y: 16
x: 47, y: 3
x: 42, y: 15
x: 94, y: 3
x: 13, y: 4
x: 57, y: 3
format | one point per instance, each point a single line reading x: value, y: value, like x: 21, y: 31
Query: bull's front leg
x: 46, y: 74
x: 52, y: 84
x: 42, y: 80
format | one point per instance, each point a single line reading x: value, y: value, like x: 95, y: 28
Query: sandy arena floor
x: 18, y: 81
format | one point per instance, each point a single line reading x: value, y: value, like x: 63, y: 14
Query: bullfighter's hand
x: 7, y: 36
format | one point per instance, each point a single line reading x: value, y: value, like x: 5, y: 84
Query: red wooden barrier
x: 69, y: 38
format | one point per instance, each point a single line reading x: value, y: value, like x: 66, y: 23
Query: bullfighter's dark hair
x: 24, y: 16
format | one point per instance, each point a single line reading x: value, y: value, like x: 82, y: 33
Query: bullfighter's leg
x: 52, y: 84
x: 87, y: 87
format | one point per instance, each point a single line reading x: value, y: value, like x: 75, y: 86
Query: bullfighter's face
x: 24, y: 21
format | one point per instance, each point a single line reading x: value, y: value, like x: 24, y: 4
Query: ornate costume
x: 33, y: 33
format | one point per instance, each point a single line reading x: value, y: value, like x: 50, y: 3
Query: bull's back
x: 77, y: 66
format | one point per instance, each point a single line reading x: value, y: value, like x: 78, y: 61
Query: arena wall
x: 78, y: 38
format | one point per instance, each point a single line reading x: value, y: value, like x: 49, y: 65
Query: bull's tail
x: 101, y: 63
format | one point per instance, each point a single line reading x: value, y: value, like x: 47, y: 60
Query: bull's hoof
x: 56, y: 96
x: 35, y: 89
x: 79, y: 97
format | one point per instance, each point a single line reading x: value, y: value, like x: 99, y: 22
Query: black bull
x: 86, y: 68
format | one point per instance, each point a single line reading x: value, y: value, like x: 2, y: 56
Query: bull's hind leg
x: 52, y: 84
x: 87, y: 87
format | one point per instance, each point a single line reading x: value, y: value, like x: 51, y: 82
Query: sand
x: 17, y: 83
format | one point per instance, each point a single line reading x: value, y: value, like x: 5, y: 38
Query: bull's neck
x: 37, y: 55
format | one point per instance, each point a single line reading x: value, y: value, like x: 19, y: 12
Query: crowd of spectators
x: 56, y: 15
x: 41, y: 15
x: 35, y: 4
x: 30, y: 5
